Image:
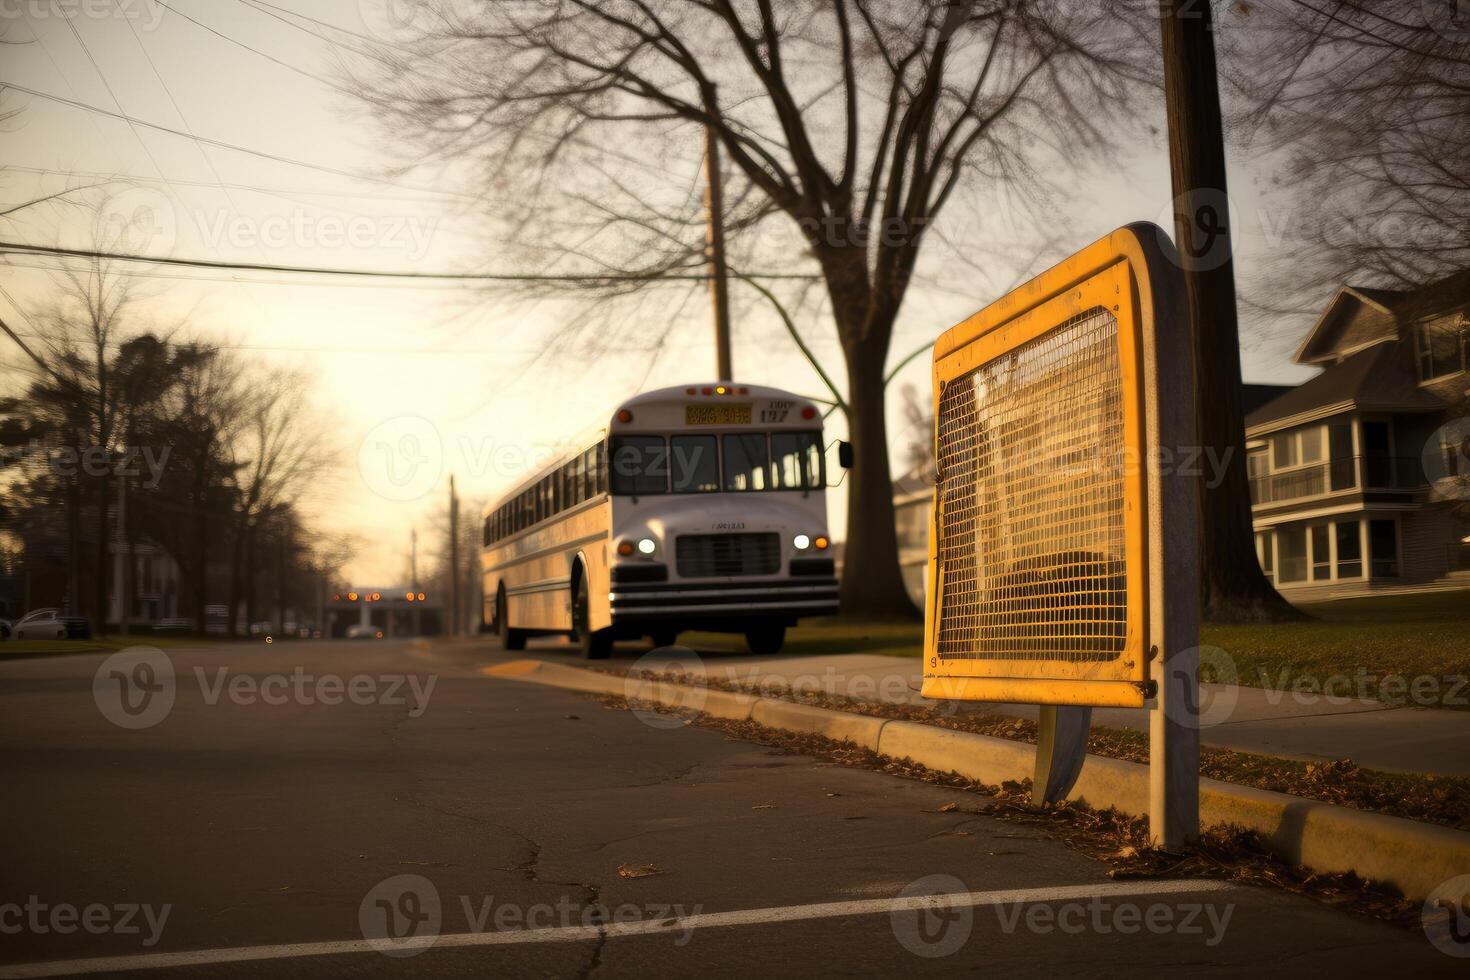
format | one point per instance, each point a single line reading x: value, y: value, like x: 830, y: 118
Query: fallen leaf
x: 764, y: 806
x: 949, y: 808
x: 572, y: 717
x: 637, y: 871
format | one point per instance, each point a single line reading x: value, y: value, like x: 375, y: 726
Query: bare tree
x: 849, y: 125
x: 276, y: 453
x: 1369, y: 102
x: 85, y: 323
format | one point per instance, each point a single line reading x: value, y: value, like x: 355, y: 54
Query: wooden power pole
x: 1231, y: 578
x: 714, y: 250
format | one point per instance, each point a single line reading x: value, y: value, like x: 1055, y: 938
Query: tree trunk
x: 73, y: 603
x: 103, y: 557
x: 872, y: 584
x: 250, y: 534
x: 237, y: 562
x: 1232, y: 585
x: 199, y: 579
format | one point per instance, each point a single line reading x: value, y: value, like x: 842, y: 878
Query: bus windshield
x: 736, y: 462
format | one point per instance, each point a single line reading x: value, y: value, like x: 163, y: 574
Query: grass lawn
x: 1408, y: 636
x: 1378, y: 640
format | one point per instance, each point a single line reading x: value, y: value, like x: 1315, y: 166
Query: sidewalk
x: 1312, y: 728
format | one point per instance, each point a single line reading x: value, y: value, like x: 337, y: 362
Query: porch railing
x: 1331, y: 476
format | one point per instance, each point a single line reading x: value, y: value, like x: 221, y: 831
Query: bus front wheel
x: 594, y: 644
x: 510, y: 639
x: 766, y: 638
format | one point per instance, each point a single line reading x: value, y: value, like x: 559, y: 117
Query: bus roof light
x: 808, y: 412
x: 624, y: 415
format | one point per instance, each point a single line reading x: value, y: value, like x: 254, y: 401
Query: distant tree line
x: 125, y: 435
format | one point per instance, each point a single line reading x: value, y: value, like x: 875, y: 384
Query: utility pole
x: 1231, y: 578
x: 714, y: 251
x: 1202, y: 233
x: 453, y: 559
x: 413, y: 557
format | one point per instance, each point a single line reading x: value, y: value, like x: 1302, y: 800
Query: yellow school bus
x: 696, y: 506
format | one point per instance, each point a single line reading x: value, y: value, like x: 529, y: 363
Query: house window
x: 1340, y: 452
x: 1441, y: 346
x: 1284, y: 450
x: 1264, y: 555
x: 1311, y: 444
x: 1291, y: 554
x: 1349, y: 550
x: 1321, y: 553
x: 1383, y: 548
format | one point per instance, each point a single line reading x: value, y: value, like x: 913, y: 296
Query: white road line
x: 562, y: 934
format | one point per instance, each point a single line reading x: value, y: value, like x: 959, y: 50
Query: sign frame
x: 1136, y: 274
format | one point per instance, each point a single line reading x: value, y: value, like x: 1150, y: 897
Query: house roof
x: 1361, y: 315
x: 1253, y: 396
x: 1379, y: 378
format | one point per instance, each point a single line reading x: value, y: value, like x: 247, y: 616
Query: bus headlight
x: 647, y: 546
x: 802, y: 542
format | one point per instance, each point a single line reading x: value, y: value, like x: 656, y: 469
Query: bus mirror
x: 844, y: 454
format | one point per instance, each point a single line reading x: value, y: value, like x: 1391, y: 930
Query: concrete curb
x: 1414, y: 857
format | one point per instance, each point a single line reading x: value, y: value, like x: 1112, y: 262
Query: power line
x: 282, y: 192
x: 131, y: 120
x: 260, y: 7
x: 22, y: 248
x: 256, y: 51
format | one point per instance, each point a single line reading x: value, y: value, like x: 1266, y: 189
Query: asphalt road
x: 295, y: 804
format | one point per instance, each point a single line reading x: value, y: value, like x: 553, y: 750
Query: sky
x: 439, y: 375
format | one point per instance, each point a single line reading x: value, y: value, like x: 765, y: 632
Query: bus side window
x: 574, y: 480
x: 797, y: 459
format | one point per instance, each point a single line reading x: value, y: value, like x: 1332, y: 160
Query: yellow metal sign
x: 1046, y: 405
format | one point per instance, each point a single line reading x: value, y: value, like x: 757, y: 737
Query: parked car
x: 5, y: 629
x: 50, y: 624
x: 362, y: 631
x: 261, y: 627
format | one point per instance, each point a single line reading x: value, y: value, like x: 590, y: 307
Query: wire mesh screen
x: 1031, y: 533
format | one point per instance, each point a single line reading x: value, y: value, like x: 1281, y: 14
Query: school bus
x: 700, y: 506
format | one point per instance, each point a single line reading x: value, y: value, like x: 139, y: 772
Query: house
x: 913, y: 502
x: 1341, y: 466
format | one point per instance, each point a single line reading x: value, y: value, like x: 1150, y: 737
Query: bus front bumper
x: 726, y: 601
